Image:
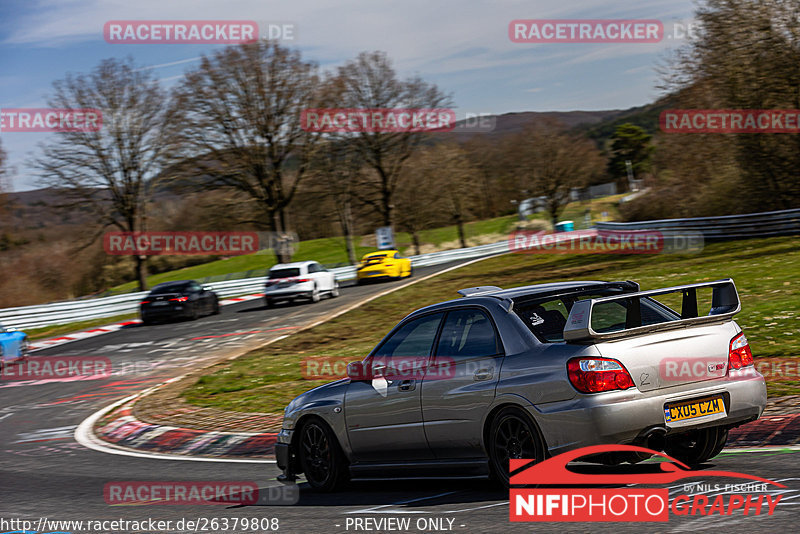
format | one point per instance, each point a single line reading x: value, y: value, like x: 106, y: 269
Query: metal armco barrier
x: 84, y: 310
x: 766, y: 224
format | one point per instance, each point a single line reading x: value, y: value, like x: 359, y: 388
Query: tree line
x: 225, y: 148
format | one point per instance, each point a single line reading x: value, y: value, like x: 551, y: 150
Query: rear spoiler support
x: 724, y: 305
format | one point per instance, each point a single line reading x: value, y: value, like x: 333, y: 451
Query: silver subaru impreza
x: 460, y: 387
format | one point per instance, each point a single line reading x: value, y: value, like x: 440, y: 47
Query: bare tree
x: 241, y: 113
x: 746, y: 55
x: 337, y: 170
x: 370, y: 82
x: 452, y: 185
x: 550, y: 162
x: 416, y: 206
x: 112, y: 171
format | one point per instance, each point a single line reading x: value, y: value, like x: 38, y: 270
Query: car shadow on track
x: 282, y: 305
x: 446, y: 492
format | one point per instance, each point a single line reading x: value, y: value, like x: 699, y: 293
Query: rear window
x: 547, y: 318
x: 284, y: 273
x: 171, y: 288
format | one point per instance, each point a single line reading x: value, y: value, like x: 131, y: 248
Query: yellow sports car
x: 383, y: 265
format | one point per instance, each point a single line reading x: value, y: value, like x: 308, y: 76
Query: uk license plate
x: 680, y: 411
x: 160, y: 303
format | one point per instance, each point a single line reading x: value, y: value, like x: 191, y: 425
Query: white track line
x: 85, y: 436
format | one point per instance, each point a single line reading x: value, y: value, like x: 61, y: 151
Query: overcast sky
x: 461, y: 45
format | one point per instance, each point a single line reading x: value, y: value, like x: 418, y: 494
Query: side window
x: 397, y: 255
x: 413, y: 339
x: 312, y: 268
x: 194, y: 287
x: 467, y: 334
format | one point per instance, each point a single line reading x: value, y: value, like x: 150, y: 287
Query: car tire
x: 146, y: 320
x: 335, y: 290
x: 410, y: 272
x: 24, y: 349
x: 217, y: 308
x: 512, y: 434
x: 315, y: 295
x: 695, y: 446
x: 195, y: 313
x: 321, y: 457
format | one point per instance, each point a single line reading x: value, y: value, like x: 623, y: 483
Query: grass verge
x: 765, y: 271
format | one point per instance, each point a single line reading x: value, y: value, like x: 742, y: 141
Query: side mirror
x: 357, y: 372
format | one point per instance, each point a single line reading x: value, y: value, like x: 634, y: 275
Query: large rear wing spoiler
x: 724, y: 305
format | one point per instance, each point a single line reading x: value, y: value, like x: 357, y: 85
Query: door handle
x: 483, y: 374
x: 407, y: 385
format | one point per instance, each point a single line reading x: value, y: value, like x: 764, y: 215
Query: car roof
x: 294, y: 264
x: 175, y: 283
x: 380, y: 252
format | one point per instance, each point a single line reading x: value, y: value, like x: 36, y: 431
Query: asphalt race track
x: 46, y: 476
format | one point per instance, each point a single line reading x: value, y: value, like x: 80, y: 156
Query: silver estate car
x: 460, y: 387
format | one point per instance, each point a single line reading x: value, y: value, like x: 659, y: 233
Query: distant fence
x: 765, y: 224
x: 97, y: 308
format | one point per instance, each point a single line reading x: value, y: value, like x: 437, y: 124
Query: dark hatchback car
x: 185, y: 299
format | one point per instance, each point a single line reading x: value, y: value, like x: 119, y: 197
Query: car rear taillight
x: 739, y: 354
x: 145, y: 302
x: 180, y: 299
x: 593, y: 375
x: 299, y: 280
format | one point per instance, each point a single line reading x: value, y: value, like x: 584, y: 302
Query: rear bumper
x: 166, y: 311
x: 622, y: 416
x: 297, y: 290
x: 374, y: 275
